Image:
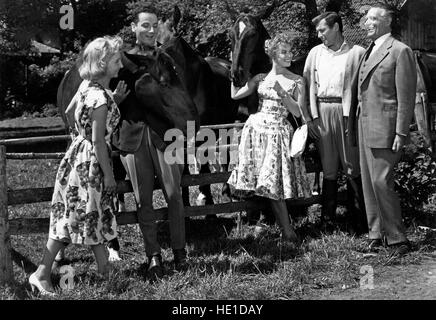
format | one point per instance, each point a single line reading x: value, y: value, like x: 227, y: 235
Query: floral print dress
x: 81, y: 212
x: 265, y: 167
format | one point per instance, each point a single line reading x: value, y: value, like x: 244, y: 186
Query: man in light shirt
x: 381, y: 112
x: 329, y: 69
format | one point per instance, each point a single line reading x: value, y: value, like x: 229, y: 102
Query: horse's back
x: 66, y: 91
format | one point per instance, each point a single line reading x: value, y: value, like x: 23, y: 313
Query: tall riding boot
x: 356, y: 213
x: 329, y: 199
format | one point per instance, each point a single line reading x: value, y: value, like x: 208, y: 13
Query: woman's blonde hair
x: 96, y: 56
x: 272, y: 46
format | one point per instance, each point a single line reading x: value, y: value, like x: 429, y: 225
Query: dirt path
x: 398, y: 282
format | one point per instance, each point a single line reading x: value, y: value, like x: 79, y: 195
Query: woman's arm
x: 291, y: 102
x: 101, y: 150
x: 245, y: 91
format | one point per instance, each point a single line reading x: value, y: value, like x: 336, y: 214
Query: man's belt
x: 330, y: 99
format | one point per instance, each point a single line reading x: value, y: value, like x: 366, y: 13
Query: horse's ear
x: 265, y: 13
x: 232, y: 12
x: 176, y: 17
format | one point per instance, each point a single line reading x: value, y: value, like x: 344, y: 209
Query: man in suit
x: 381, y: 112
x: 328, y: 71
x: 142, y: 150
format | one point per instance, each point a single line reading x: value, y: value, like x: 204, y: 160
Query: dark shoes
x: 395, y: 250
x: 399, y: 249
x: 180, y: 261
x: 374, y: 245
x: 154, y: 270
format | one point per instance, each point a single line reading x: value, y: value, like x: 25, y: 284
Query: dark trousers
x: 381, y: 201
x: 142, y: 166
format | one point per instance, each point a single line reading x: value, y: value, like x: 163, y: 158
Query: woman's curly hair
x: 271, y: 46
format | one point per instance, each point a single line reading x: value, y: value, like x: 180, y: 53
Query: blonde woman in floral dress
x: 265, y: 166
x: 82, y: 210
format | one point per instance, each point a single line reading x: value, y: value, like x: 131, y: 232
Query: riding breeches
x: 142, y: 166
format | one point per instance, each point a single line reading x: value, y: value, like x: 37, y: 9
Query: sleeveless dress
x: 81, y: 212
x: 264, y: 166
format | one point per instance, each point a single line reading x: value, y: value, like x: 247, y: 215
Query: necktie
x: 368, y: 52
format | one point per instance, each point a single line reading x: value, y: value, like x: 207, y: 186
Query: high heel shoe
x: 36, y: 284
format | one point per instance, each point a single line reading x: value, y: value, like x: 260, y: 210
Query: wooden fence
x: 21, y: 226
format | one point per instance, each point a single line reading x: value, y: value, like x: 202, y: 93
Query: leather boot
x: 180, y: 260
x: 154, y: 270
x: 329, y: 200
x: 356, y: 213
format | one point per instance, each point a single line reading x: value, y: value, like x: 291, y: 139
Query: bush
x: 38, y: 96
x: 415, y: 177
x: 44, y: 81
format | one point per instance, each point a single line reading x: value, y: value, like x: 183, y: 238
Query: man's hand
x: 120, y: 92
x: 313, y: 127
x: 399, y: 142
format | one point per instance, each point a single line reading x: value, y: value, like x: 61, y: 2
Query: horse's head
x: 247, y: 37
x: 160, y: 90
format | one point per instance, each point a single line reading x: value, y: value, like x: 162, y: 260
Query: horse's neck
x: 262, y: 64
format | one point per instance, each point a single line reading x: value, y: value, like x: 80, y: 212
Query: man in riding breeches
x: 143, y: 150
x: 329, y: 69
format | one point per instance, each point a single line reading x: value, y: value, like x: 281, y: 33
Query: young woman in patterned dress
x: 82, y: 210
x: 265, y: 167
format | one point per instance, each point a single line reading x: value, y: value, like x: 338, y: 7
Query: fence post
x: 6, y: 274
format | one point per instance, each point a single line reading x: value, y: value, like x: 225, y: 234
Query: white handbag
x: 299, y: 139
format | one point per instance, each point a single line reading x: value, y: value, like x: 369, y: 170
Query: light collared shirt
x: 378, y: 42
x: 330, y: 70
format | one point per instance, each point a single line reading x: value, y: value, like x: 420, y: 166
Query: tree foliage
x: 204, y: 24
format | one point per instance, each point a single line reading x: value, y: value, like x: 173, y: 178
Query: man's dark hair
x: 330, y: 18
x: 144, y: 10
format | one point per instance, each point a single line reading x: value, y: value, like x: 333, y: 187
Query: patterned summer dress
x: 265, y: 166
x: 80, y: 211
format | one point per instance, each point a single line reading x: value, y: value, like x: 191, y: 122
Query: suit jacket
x: 309, y: 74
x: 384, y: 94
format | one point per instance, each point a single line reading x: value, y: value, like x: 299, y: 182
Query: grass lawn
x: 226, y: 262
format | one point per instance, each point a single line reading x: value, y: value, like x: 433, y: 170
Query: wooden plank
x: 58, y: 138
x: 21, y: 226
x: 34, y: 155
x: 224, y: 126
x: 6, y: 274
x: 32, y: 195
x: 31, y: 132
x: 34, y: 140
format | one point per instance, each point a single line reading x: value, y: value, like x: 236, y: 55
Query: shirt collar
x: 342, y: 49
x: 381, y: 39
